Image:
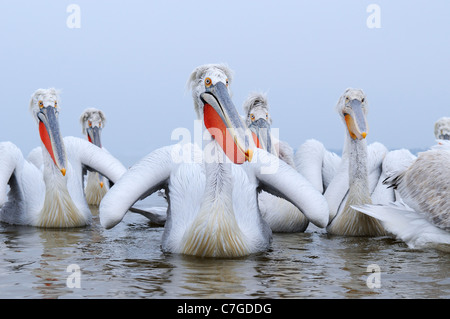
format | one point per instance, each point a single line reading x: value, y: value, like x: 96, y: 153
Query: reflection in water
x: 127, y: 262
x: 216, y: 278
x: 58, y: 249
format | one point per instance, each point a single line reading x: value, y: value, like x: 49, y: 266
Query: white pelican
x: 423, y: 218
x: 354, y: 179
x: 51, y: 196
x: 213, y: 206
x: 281, y: 215
x: 442, y: 128
x: 92, y: 123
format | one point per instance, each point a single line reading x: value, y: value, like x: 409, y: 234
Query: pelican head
x: 212, y: 101
x: 442, y: 128
x: 256, y: 109
x: 44, y: 106
x: 352, y: 107
x: 92, y: 122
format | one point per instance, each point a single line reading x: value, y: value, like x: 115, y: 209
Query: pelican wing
x: 10, y: 156
x: 155, y: 214
x: 286, y: 153
x: 376, y: 153
x: 394, y: 163
x: 336, y: 192
x: 331, y: 164
x: 309, y: 160
x: 407, y: 225
x: 35, y: 157
x: 94, y: 158
x: 316, y: 164
x: 141, y: 180
x: 424, y: 186
x: 280, y: 179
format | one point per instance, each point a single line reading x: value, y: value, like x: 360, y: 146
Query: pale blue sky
x: 132, y: 59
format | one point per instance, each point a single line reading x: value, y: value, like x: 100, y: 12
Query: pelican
x: 442, y: 128
x: 355, y: 178
x: 51, y: 196
x: 422, y: 218
x: 281, y: 215
x: 212, y: 192
x: 92, y: 123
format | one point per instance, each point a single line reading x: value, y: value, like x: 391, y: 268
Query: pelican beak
x: 356, y: 120
x: 93, y: 134
x: 101, y: 179
x: 51, y: 137
x: 445, y: 136
x: 261, y: 128
x: 224, y: 123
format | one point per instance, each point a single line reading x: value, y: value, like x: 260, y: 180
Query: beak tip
x: 63, y: 171
x: 364, y: 134
x: 249, y: 155
x: 101, y: 184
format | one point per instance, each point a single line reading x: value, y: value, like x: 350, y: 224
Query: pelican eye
x: 252, y: 117
x: 41, y: 104
x: 208, y: 82
x: 226, y: 82
x: 363, y: 99
x: 267, y: 116
x: 56, y: 104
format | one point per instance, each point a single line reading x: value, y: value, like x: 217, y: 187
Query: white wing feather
x: 145, y: 177
x: 82, y: 152
x: 280, y: 179
x: 309, y: 161
x: 407, y: 225
x: 10, y: 157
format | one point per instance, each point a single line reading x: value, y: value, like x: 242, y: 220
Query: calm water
x: 126, y: 262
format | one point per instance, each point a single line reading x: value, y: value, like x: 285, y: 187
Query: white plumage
x: 92, y: 122
x: 408, y: 226
x: 213, y: 208
x: 353, y: 179
x: 281, y: 215
x: 317, y: 164
x: 423, y: 219
x: 48, y: 192
x: 442, y: 128
x: 442, y: 144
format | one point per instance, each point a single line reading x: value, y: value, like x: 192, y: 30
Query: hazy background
x: 132, y: 59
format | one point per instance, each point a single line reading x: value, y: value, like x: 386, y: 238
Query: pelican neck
x: 355, y: 152
x: 217, y: 171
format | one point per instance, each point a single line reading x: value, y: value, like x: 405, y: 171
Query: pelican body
x: 353, y: 179
x: 212, y: 192
x: 422, y: 218
x: 49, y: 192
x: 92, y: 122
x: 281, y: 215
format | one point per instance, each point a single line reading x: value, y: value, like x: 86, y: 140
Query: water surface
x: 127, y: 262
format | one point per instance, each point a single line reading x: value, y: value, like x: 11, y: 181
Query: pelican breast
x: 221, y: 226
